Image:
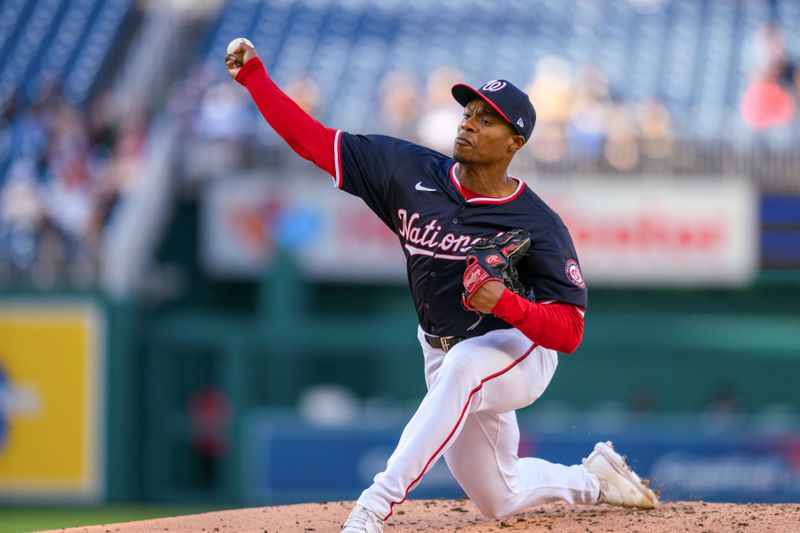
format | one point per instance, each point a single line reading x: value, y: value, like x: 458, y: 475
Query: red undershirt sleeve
x: 310, y: 139
x: 558, y: 326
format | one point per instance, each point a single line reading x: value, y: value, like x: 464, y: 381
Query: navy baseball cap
x: 506, y: 98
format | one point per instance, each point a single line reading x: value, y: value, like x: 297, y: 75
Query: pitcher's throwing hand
x: 237, y: 55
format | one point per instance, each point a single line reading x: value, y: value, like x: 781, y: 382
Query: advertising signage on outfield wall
x: 661, y: 231
x: 293, y: 462
x: 51, y: 402
x: 648, y: 232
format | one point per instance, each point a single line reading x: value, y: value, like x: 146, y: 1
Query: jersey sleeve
x: 553, y: 269
x: 557, y: 326
x: 368, y: 166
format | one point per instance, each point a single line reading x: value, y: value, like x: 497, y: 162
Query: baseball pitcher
x: 497, y: 286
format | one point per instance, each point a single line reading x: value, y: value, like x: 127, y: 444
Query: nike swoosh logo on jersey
x: 420, y: 187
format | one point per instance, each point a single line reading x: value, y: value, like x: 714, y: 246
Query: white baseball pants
x: 468, y: 416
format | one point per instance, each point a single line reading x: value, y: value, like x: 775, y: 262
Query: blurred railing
x: 772, y: 167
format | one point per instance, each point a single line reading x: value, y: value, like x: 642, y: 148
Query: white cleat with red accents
x: 362, y: 520
x: 619, y: 485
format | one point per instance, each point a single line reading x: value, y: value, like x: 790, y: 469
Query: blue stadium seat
x: 687, y: 53
x: 63, y: 46
x: 56, y: 40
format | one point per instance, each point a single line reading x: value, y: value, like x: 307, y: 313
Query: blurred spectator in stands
x: 67, y: 169
x: 655, y: 127
x: 441, y: 114
x: 552, y: 94
x: 305, y: 92
x: 223, y: 126
x: 621, y: 149
x: 68, y: 189
x: 767, y: 103
x: 224, y: 114
x: 118, y: 177
x: 589, y: 118
x: 9, y: 109
x: 399, y: 104
x: 768, y: 56
x: 21, y: 215
x: 28, y: 132
x: 184, y: 101
x: 185, y: 97
x: 8, y: 112
x: 101, y: 125
x: 553, y: 90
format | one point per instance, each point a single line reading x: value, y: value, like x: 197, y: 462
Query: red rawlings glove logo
x: 474, y: 277
x: 494, y: 260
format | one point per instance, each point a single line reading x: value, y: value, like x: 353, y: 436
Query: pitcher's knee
x: 493, y: 506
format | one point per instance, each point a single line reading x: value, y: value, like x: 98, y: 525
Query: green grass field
x: 17, y: 519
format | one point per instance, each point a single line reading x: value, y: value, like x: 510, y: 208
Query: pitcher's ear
x: 517, y: 142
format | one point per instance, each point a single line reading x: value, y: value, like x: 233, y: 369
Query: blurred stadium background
x: 190, y: 314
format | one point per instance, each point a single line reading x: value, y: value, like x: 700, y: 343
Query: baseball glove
x: 494, y: 259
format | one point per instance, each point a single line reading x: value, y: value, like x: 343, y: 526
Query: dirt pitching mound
x: 442, y: 516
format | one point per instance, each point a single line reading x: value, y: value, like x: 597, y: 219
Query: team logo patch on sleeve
x: 573, y: 272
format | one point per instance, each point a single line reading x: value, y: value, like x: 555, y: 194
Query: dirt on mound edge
x: 428, y: 516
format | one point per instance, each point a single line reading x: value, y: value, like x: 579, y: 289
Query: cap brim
x: 464, y: 94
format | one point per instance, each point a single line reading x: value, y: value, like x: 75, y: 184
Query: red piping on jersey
x: 458, y: 423
x: 337, y: 159
x: 483, y: 199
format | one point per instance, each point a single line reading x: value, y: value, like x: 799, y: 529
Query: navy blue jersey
x: 416, y: 192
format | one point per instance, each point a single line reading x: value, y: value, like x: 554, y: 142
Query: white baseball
x: 235, y: 43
